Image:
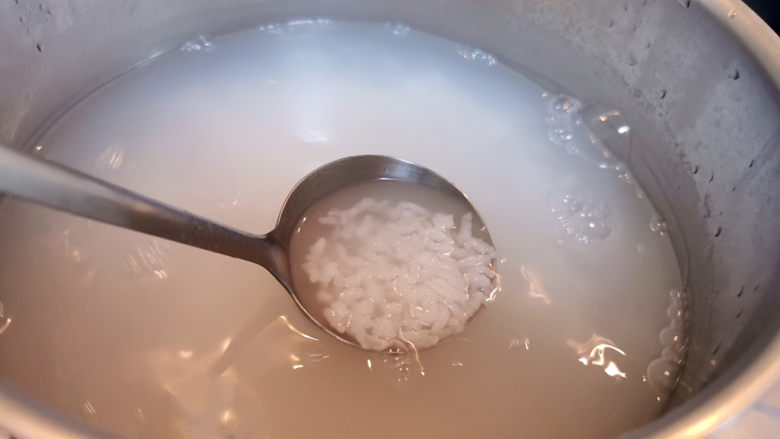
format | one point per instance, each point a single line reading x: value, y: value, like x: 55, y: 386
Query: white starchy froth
x: 397, y: 275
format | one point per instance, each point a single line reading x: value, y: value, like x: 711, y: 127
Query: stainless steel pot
x: 698, y: 81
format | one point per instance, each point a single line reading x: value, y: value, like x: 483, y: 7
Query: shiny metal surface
x: 56, y: 186
x: 697, y: 80
x: 59, y: 187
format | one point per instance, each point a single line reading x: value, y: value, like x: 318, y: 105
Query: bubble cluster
x: 563, y: 121
x: 657, y: 224
x: 590, y: 132
x: 199, y: 44
x: 292, y: 25
x: 471, y: 54
x: 664, y: 372
x: 404, y: 366
x: 582, y: 217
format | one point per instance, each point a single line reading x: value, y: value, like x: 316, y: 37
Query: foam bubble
x: 562, y: 121
x: 570, y: 125
x: 471, y: 54
x: 581, y: 216
x: 201, y: 43
x: 591, y: 132
x: 608, y: 126
x: 657, y: 224
x: 663, y: 372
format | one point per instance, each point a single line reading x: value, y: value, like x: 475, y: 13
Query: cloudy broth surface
x: 148, y: 338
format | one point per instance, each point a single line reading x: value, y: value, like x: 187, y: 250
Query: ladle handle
x: 62, y: 188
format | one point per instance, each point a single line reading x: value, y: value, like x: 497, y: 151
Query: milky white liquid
x: 147, y: 338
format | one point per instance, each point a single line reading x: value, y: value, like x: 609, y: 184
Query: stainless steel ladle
x: 62, y: 188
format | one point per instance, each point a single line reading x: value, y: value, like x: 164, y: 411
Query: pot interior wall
x: 704, y: 115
